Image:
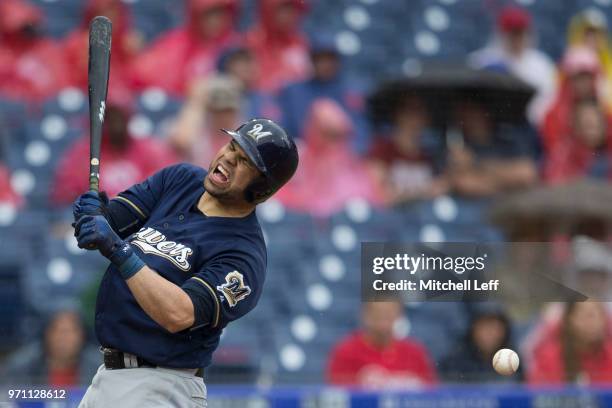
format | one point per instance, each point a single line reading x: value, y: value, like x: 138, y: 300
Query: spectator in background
x: 373, y: 358
x: 328, y: 165
x: 238, y: 63
x: 489, y: 331
x: 125, y: 44
x: 579, y: 351
x: 277, y: 43
x: 511, y: 50
x: 214, y: 104
x: 60, y: 359
x: 590, y: 29
x: 8, y: 196
x: 580, y: 80
x: 325, y: 81
x: 483, y: 158
x: 404, y: 167
x: 31, y: 66
x: 126, y: 160
x: 586, y: 151
x: 186, y: 53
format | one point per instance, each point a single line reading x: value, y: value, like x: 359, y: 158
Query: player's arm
x: 224, y: 291
x: 164, y: 302
x: 213, y: 297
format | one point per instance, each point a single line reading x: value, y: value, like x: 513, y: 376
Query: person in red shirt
x: 126, y: 43
x: 374, y: 358
x: 578, y: 351
x: 125, y: 160
x: 278, y: 45
x: 32, y: 67
x: 189, y: 52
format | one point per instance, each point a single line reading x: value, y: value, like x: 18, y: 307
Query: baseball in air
x: 506, y: 362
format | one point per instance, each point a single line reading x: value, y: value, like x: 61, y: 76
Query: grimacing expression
x: 230, y: 173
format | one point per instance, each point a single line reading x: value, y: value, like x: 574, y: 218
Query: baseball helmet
x: 271, y: 150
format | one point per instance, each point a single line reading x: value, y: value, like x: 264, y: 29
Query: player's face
x: 230, y: 173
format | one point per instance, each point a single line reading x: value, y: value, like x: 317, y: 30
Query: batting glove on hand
x: 90, y: 203
x: 94, y: 232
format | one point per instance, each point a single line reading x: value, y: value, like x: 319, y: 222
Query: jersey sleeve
x: 142, y: 198
x: 225, y: 290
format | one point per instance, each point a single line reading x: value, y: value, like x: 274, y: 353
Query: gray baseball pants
x: 145, y: 387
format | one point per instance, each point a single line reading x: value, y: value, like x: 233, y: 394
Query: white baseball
x: 506, y: 362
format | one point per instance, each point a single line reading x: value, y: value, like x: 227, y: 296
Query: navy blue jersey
x: 219, y: 261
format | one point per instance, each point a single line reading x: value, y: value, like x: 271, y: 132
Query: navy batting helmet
x: 271, y: 150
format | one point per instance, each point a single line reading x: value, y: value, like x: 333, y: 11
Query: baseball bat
x: 100, y: 31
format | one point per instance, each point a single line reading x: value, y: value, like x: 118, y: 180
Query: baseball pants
x: 145, y: 387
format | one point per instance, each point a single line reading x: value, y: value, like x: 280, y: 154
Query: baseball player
x: 187, y: 257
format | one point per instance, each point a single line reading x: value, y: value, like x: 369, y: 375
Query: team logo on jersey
x: 257, y: 131
x: 234, y: 288
x: 151, y: 241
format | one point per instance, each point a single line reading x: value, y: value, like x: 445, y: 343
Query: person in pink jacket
x: 330, y: 173
x: 32, y: 67
x: 186, y: 53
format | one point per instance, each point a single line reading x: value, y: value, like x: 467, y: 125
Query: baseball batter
x: 187, y: 257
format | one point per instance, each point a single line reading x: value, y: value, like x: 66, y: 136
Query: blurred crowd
x: 223, y: 75
x: 273, y: 70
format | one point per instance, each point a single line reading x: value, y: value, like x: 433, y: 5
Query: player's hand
x: 90, y: 203
x: 94, y: 232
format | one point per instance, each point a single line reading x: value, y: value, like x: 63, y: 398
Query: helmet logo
x: 256, y: 132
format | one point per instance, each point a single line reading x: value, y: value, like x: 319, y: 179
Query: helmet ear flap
x: 258, y: 191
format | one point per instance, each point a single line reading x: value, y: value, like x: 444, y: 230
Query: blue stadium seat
x: 64, y: 272
x: 153, y: 17
x: 32, y: 168
x: 302, y: 346
x: 62, y: 16
x: 437, y: 325
x: 12, y: 130
x: 20, y: 234
x: 368, y: 223
x: 12, y: 298
x: 453, y: 210
x: 70, y: 103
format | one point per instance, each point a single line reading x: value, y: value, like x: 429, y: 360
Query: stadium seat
x: 437, y: 325
x: 12, y: 129
x: 303, y: 345
x: 156, y: 107
x: 12, y: 298
x: 153, y: 17
x: 369, y: 224
x: 62, y: 16
x: 70, y: 103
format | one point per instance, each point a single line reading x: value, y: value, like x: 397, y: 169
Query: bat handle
x: 94, y: 174
x: 94, y: 183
